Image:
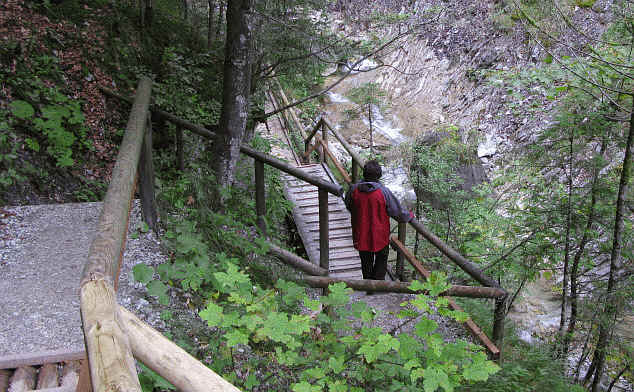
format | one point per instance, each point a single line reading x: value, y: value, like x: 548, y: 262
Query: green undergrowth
x: 526, y: 367
x: 263, y: 330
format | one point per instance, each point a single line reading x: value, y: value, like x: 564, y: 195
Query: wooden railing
x: 398, y: 242
x: 113, y: 336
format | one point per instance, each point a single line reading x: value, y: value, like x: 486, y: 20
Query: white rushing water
x: 384, y: 126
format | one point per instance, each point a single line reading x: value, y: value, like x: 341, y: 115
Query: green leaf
x: 212, y: 314
x: 434, y: 378
x: 425, y: 326
x: 236, y: 337
x: 480, y: 369
x: 304, y: 386
x: 21, y: 109
x: 158, y: 289
x: 338, y: 294
x: 142, y: 273
x: 336, y: 364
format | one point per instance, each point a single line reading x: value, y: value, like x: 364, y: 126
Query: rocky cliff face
x: 437, y: 76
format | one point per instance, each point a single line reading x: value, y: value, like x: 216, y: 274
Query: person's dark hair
x: 372, y: 171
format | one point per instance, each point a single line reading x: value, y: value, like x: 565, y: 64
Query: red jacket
x: 371, y: 204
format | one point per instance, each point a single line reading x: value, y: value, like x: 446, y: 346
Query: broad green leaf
x: 336, y: 364
x: 21, y: 109
x: 142, y: 273
x: 236, y: 337
x: 212, y: 314
x: 304, y: 386
x: 425, y: 326
x: 157, y: 288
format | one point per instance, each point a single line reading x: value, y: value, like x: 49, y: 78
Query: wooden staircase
x: 344, y: 259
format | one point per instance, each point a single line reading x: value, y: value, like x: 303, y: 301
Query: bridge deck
x: 344, y: 259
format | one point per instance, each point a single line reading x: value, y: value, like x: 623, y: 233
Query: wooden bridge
x: 114, y: 337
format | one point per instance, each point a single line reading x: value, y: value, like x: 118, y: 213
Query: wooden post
x: 180, y: 154
x: 355, y: 171
x: 306, y: 151
x: 324, y: 145
x: 499, y: 315
x: 112, y: 366
x: 400, y: 257
x: 324, y: 246
x: 260, y: 198
x: 146, y: 180
x: 83, y: 382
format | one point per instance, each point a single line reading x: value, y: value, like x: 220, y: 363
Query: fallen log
x: 401, y: 287
x: 295, y: 261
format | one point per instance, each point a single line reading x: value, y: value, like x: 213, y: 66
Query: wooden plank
x: 315, y: 211
x: 83, y: 382
x: 47, y: 377
x: 23, y: 379
x: 5, y: 375
x: 15, y: 361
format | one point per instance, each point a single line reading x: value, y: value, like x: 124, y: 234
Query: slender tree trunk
x: 210, y: 23
x: 185, y: 10
x: 221, y: 9
x: 236, y: 87
x: 575, y: 262
x: 564, y: 289
x: 610, y: 307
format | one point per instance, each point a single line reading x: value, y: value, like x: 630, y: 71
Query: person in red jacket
x: 371, y: 205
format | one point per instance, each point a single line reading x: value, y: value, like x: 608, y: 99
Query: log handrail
x: 109, y: 354
x: 469, y: 324
x: 402, y: 287
x: 329, y: 187
x: 113, y: 336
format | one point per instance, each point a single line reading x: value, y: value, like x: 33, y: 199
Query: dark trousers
x: 374, y: 264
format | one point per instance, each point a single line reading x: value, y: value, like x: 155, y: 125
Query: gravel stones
x: 42, y: 252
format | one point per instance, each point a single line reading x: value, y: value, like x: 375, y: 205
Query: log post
x: 180, y: 153
x: 355, y: 171
x: 146, y: 180
x: 83, y: 382
x: 400, y: 257
x: 260, y: 198
x: 306, y: 151
x: 499, y: 315
x: 112, y: 366
x: 324, y: 144
x: 170, y: 361
x: 324, y: 246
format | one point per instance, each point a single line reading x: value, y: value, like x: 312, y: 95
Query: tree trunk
x: 210, y: 23
x: 574, y: 284
x: 221, y: 8
x: 610, y: 307
x: 235, y: 94
x: 564, y: 288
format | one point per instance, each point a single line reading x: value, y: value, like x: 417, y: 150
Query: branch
x: 341, y: 79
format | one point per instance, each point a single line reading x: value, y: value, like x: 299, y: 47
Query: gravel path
x: 42, y: 252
